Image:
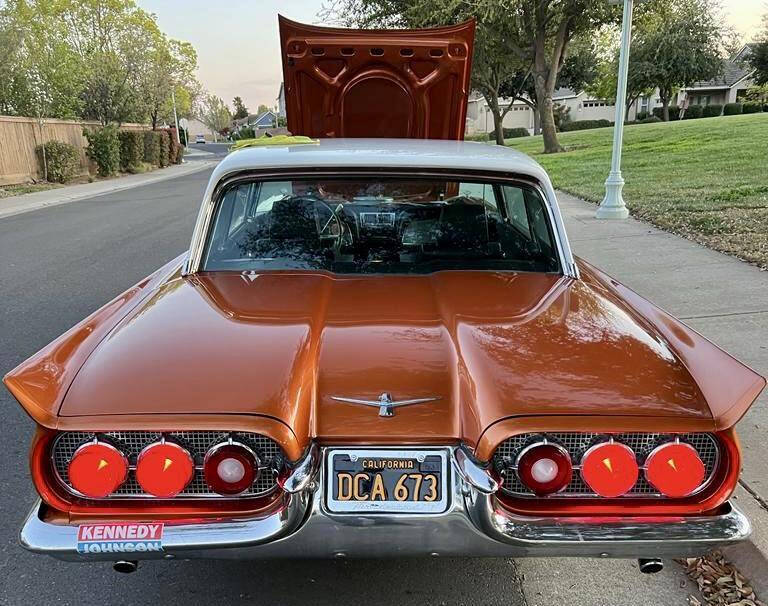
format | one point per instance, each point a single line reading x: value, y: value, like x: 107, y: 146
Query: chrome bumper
x: 474, y: 525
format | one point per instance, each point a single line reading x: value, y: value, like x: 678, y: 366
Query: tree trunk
x: 498, y: 125
x: 665, y: 106
x: 545, y: 70
x: 536, y: 121
x: 547, y: 117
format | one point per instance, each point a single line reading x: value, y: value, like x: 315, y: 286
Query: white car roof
x: 382, y: 153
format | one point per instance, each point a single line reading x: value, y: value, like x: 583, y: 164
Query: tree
x: 758, y: 56
x: 241, y: 111
x: 681, y: 44
x: 528, y: 34
x: 262, y: 108
x: 213, y: 112
x: 169, y: 71
x: 97, y: 59
x: 34, y: 59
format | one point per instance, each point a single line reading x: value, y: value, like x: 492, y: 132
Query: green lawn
x: 706, y: 179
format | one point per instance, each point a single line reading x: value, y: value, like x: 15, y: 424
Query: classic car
x: 380, y: 344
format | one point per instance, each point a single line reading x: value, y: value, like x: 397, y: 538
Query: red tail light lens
x: 230, y: 468
x: 164, y: 469
x: 544, y: 468
x: 675, y: 469
x: 97, y: 469
x: 609, y: 469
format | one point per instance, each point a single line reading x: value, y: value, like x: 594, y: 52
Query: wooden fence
x: 19, y: 162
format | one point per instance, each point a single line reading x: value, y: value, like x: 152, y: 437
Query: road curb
x: 56, y: 197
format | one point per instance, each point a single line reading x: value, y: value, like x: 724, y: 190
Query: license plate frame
x: 439, y: 505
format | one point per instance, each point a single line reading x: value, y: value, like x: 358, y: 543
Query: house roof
x: 564, y: 93
x: 735, y: 70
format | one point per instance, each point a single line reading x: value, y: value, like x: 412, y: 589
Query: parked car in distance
x: 381, y: 347
x: 199, y: 138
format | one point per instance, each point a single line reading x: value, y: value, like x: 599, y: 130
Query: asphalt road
x: 59, y: 264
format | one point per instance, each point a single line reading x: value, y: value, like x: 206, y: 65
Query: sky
x: 238, y: 46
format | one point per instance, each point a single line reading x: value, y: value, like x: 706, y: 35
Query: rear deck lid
x: 376, y: 83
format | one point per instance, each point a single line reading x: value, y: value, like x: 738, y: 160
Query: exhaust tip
x: 125, y: 566
x: 650, y: 565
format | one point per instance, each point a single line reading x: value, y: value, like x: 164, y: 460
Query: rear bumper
x: 475, y: 524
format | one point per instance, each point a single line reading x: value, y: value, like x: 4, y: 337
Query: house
x: 726, y: 88
x: 196, y: 127
x: 580, y: 105
x: 257, y: 122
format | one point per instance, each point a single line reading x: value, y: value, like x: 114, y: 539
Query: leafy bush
x: 585, y: 124
x: 642, y: 116
x: 176, y: 150
x: 131, y: 149
x: 650, y: 120
x: 165, y: 145
x: 61, y: 159
x: 674, y: 112
x: 765, y: 107
x: 732, y: 109
x: 104, y: 149
x: 693, y: 112
x: 152, y: 147
x: 752, y: 108
x: 513, y: 133
x: 712, y: 111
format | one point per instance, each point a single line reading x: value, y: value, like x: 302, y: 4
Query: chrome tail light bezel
x: 577, y: 444
x: 198, y: 442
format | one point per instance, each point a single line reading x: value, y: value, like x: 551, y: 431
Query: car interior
x: 380, y: 226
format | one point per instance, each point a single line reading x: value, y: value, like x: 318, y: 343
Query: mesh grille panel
x: 505, y: 458
x: 131, y: 444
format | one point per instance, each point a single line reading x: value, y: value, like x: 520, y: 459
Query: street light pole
x: 175, y: 117
x: 612, y: 206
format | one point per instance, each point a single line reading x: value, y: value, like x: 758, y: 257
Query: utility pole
x: 613, y: 206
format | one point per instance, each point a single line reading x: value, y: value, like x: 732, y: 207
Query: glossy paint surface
x: 267, y: 352
x: 342, y: 82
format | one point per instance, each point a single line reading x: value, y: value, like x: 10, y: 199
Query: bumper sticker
x: 120, y: 537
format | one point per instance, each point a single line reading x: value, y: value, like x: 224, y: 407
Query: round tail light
x: 544, y: 468
x: 230, y: 468
x: 609, y: 469
x: 97, y: 469
x: 675, y: 469
x: 164, y: 469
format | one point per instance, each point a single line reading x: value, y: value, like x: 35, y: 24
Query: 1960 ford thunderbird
x: 381, y: 347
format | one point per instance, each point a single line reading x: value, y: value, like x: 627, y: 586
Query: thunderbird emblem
x: 385, y: 403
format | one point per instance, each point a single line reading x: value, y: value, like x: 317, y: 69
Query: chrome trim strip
x: 472, y: 473
x: 298, y: 477
x: 475, y: 524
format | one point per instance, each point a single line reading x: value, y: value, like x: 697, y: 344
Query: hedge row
x: 585, y: 124
x: 60, y: 161
x: 114, y: 150
x: 131, y: 150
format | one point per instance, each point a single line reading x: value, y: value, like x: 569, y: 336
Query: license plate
x: 387, y: 480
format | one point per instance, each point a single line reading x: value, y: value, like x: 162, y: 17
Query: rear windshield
x: 380, y: 225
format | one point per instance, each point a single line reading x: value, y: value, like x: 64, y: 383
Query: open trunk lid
x: 376, y: 83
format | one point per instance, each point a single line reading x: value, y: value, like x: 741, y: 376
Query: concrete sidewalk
x: 721, y: 297
x: 15, y: 205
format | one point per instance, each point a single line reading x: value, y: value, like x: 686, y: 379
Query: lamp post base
x: 612, y: 206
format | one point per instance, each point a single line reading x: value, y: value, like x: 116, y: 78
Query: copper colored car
x: 380, y: 344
